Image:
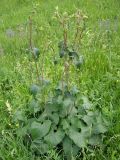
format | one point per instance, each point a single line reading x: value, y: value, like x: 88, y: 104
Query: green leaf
x: 54, y: 117
x: 77, y: 138
x: 39, y: 130
x: 86, y: 103
x: 76, y: 123
x: 68, y: 104
x: 100, y: 125
x: 89, y: 120
x: 19, y: 116
x: 95, y: 140
x: 99, y: 128
x: 34, y: 106
x: 51, y: 107
x: 54, y: 137
x: 80, y: 138
x: 69, y: 148
x: 39, y: 147
x: 59, y: 100
x: 74, y: 90
x: 22, y: 131
x: 65, y: 124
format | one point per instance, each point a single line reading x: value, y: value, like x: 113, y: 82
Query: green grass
x: 99, y: 79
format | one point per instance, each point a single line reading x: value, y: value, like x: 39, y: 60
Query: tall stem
x: 31, y: 47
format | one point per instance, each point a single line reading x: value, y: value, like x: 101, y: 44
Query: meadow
x: 30, y: 27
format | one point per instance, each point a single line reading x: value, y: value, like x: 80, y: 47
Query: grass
x: 99, y: 79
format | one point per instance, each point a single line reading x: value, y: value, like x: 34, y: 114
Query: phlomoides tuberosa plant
x: 67, y: 120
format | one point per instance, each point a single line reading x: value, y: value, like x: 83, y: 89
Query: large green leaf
x: 39, y: 146
x: 89, y: 120
x: 54, y: 117
x: 76, y: 123
x: 54, y: 137
x: 68, y: 104
x: 69, y: 148
x: 65, y: 124
x: 80, y: 138
x: 51, y: 107
x: 39, y: 130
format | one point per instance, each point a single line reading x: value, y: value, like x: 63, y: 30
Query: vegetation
x: 59, y: 80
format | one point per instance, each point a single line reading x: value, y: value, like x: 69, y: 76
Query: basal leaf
x: 68, y: 104
x: 54, y: 117
x: 80, y: 138
x: 67, y: 147
x: 89, y: 120
x: 54, y: 137
x: 65, y: 124
x: 39, y: 147
x: 70, y: 149
x: 76, y: 123
x: 39, y: 130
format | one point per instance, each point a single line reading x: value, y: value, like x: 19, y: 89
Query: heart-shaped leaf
x: 54, y: 137
x: 40, y: 147
x: 80, y: 138
x: 39, y: 130
x: 70, y: 149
